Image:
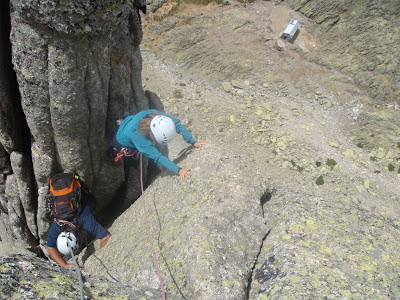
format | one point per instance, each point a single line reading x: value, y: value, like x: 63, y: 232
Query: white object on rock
x: 291, y: 29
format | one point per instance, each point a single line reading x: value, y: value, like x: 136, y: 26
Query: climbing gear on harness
x: 117, y: 156
x: 125, y: 152
x: 116, y: 152
x: 63, y: 223
x: 66, y: 240
x: 65, y: 196
x: 163, y: 129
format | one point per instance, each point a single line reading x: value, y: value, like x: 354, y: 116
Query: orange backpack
x: 65, y: 196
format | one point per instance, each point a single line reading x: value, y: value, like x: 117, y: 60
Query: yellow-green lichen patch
x: 50, y: 289
x: 341, y: 244
x: 62, y: 279
x: 310, y: 223
x: 325, y: 250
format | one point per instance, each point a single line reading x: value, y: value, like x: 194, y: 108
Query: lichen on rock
x: 206, y: 231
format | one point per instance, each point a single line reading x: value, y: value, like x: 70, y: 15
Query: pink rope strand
x: 148, y: 232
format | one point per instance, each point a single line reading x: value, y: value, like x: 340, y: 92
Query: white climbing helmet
x: 163, y: 129
x: 66, y: 240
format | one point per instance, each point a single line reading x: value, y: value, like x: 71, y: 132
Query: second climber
x: 143, y: 130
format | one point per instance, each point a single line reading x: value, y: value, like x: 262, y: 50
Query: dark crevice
x: 250, y: 279
x: 265, y: 198
x: 15, y: 133
x: 14, y: 122
x: 109, y: 214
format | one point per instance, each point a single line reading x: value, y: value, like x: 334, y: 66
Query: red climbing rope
x: 148, y: 232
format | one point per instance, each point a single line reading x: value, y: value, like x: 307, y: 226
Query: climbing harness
x: 148, y: 231
x: 126, y: 153
x: 62, y: 223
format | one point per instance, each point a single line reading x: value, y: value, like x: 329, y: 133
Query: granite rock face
x: 328, y: 146
x: 78, y: 68
x: 361, y: 39
x: 206, y: 231
x: 325, y: 249
x: 26, y: 277
x: 296, y: 196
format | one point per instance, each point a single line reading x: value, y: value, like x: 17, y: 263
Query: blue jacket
x: 128, y: 135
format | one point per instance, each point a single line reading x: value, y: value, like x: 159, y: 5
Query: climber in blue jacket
x: 143, y: 130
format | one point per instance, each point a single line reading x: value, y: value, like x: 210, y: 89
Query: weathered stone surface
x: 329, y: 153
x: 331, y: 157
x: 14, y: 218
x: 360, y: 39
x: 206, y: 231
x: 10, y: 126
x: 316, y: 250
x: 26, y: 190
x: 154, y: 101
x: 78, y: 67
x: 199, y: 46
x: 25, y: 277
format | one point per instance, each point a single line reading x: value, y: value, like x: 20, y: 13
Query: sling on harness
x: 125, y: 152
x: 116, y: 152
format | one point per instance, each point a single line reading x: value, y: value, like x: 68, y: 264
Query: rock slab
x: 207, y: 231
